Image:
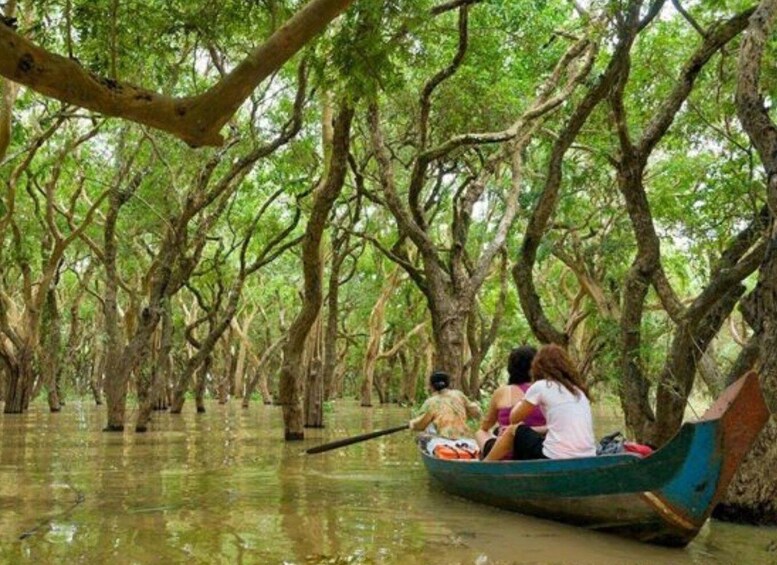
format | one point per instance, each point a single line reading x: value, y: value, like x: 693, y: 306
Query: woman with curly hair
x: 559, y: 391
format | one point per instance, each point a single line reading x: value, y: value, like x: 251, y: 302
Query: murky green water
x: 221, y: 488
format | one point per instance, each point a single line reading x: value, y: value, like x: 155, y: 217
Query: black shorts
x: 528, y: 444
x: 487, y: 447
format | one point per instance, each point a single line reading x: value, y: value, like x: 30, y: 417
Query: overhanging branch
x: 195, y: 119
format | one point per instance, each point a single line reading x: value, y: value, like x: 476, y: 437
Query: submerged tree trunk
x: 482, y: 335
x: 116, y: 382
x: 688, y: 347
x: 752, y: 495
x: 291, y: 379
x: 375, y: 325
x: 19, y: 383
x: 49, y: 350
x: 314, y: 396
x: 97, y: 372
x: 202, y: 383
x: 314, y: 389
x: 411, y: 370
x: 151, y: 388
x: 330, y: 332
x: 259, y: 379
x: 240, y: 370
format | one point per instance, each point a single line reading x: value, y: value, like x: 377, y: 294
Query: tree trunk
x: 376, y: 323
x: 240, y: 370
x: 753, y: 493
x: 259, y: 381
x: 202, y: 383
x: 116, y: 383
x: 151, y: 388
x: 96, y: 377
x: 49, y: 349
x: 449, y: 323
x: 314, y: 396
x: 19, y: 383
x: 291, y: 379
x: 330, y: 334
x: 410, y: 373
x: 264, y: 388
x: 231, y: 362
x: 314, y: 388
x: 688, y: 347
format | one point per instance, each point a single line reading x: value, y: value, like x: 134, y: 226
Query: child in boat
x: 562, y: 396
x: 446, y: 409
x: 506, y: 396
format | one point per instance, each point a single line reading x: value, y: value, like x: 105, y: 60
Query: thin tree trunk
x: 49, y: 349
x: 231, y: 371
x: 376, y: 325
x: 410, y: 374
x: 314, y: 396
x: 240, y: 369
x: 330, y: 335
x: 291, y: 379
x: 202, y: 382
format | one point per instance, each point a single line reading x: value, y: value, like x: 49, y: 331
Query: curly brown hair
x: 552, y: 363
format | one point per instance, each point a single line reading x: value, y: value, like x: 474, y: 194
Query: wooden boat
x: 664, y: 498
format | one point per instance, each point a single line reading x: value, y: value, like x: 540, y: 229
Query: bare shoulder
x: 501, y: 396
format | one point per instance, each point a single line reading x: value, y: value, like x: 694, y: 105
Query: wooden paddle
x: 355, y: 439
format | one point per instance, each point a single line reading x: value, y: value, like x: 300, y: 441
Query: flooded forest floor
x: 222, y: 487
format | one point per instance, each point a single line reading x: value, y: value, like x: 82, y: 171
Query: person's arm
x: 420, y: 422
x: 491, y: 415
x: 521, y: 411
x: 424, y: 417
x: 473, y: 408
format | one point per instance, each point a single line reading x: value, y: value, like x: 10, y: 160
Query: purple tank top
x: 535, y: 418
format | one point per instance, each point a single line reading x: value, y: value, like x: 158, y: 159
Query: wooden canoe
x: 664, y: 498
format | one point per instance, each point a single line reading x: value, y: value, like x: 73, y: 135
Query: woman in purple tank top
x: 507, y: 396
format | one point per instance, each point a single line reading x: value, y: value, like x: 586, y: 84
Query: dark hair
x: 440, y: 380
x: 519, y: 364
x: 553, y: 363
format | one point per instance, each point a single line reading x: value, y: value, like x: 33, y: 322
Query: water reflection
x: 221, y: 488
